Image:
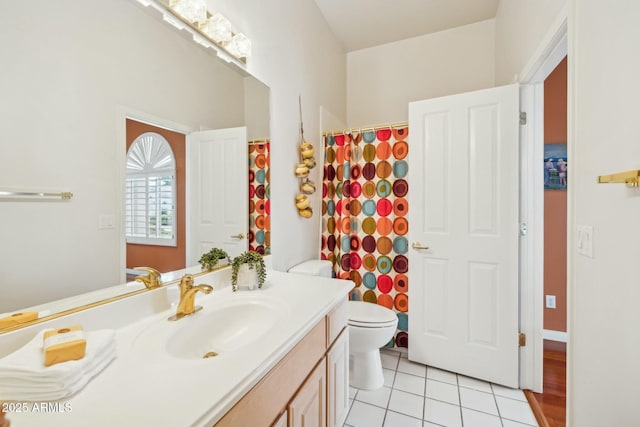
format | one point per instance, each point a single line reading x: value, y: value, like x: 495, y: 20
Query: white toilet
x: 371, y: 326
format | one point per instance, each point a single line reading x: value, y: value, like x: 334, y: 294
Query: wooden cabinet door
x: 338, y: 381
x: 282, y: 421
x: 309, y: 407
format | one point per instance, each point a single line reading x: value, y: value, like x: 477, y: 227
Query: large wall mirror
x: 75, y: 72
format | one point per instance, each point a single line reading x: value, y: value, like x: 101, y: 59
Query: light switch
x: 106, y: 222
x: 584, y: 236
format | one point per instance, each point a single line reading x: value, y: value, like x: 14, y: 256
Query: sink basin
x: 226, y: 325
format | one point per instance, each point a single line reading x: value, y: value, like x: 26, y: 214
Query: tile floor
x: 415, y: 395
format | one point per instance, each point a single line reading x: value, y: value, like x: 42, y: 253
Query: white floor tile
x: 515, y: 410
x: 412, y: 368
x: 442, y: 391
x: 389, y: 375
x: 450, y: 400
x: 389, y: 359
x: 474, y: 384
x: 393, y: 419
x: 512, y: 393
x: 406, y: 403
x: 440, y: 375
x: 442, y: 413
x: 472, y: 418
x: 478, y: 400
x: 379, y: 397
x: 352, y: 392
x: 409, y: 383
x: 509, y: 423
x: 364, y: 415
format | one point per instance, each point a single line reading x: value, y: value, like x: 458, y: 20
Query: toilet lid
x: 370, y: 315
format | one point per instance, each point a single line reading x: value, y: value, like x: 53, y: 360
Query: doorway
x: 170, y: 256
x: 552, y: 399
x: 538, y: 353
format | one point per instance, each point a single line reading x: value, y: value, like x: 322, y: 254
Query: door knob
x: 238, y: 236
x: 418, y: 245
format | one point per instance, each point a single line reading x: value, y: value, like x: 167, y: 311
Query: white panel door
x: 463, y: 170
x: 218, y: 192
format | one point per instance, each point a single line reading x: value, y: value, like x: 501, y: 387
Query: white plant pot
x: 247, y: 277
x: 221, y: 263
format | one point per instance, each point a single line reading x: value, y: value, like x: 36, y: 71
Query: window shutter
x: 150, y: 206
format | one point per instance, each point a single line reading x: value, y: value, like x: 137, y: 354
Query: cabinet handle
x: 238, y: 236
x: 418, y: 245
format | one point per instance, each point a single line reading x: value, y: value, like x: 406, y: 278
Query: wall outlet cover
x: 551, y: 301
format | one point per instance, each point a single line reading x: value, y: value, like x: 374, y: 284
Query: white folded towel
x: 24, y: 377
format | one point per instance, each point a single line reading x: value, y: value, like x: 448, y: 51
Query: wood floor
x: 553, y: 400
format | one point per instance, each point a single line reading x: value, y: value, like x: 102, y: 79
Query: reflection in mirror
x: 68, y: 88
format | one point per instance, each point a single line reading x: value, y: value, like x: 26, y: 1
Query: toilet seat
x: 369, y: 315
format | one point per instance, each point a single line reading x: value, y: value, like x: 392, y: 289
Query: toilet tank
x: 313, y: 268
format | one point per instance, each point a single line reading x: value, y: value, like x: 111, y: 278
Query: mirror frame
x: 101, y: 302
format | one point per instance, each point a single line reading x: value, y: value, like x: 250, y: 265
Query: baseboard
x: 536, y: 409
x: 550, y: 335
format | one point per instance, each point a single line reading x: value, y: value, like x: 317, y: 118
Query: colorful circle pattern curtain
x: 259, y: 198
x: 365, y: 217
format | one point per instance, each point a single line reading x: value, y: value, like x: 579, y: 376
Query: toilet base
x: 365, y: 370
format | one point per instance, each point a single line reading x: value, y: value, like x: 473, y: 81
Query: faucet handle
x: 186, y: 283
x: 151, y: 281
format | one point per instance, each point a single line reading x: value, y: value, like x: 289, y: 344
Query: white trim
x: 555, y: 335
x: 531, y: 245
x: 123, y: 113
x: 550, y: 52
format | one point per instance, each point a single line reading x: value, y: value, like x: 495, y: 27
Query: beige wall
x: 382, y: 80
x: 520, y: 27
x: 295, y: 53
x: 604, y: 88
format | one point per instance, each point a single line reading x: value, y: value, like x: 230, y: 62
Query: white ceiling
x: 364, y: 23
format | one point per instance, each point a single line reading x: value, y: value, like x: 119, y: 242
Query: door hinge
x: 523, y: 117
x: 523, y: 229
x: 522, y: 339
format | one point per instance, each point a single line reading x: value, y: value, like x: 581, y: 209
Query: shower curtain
x: 259, y: 197
x: 364, y: 217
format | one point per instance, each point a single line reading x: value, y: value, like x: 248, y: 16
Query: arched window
x: 151, y: 191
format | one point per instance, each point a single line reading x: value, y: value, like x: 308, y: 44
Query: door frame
x: 552, y: 49
x: 122, y: 114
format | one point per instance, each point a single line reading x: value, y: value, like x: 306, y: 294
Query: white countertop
x: 146, y: 386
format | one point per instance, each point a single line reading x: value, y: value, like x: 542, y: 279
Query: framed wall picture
x: 555, y: 166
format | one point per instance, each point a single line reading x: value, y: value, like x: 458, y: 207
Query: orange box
x: 62, y: 345
x: 17, y: 318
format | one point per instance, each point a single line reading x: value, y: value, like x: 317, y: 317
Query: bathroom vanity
x: 274, y: 356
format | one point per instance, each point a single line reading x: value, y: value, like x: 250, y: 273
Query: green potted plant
x: 216, y: 257
x: 248, y: 269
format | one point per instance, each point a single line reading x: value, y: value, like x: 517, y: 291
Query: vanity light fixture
x: 209, y: 30
x: 194, y: 11
x: 239, y: 46
x: 217, y: 27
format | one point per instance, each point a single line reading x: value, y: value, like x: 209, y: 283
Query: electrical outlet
x: 551, y: 301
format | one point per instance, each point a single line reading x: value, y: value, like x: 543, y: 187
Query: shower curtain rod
x: 360, y: 130
x: 258, y: 141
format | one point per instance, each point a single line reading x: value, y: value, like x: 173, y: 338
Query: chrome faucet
x: 151, y: 281
x: 186, y: 306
